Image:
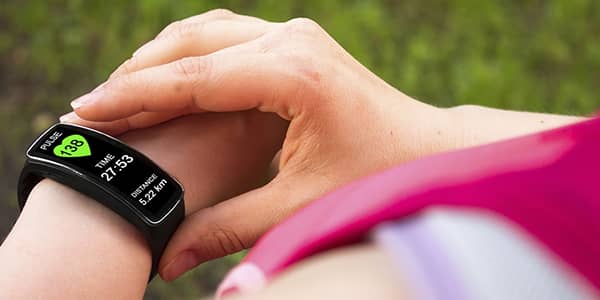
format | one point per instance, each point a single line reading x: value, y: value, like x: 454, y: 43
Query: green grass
x: 526, y: 55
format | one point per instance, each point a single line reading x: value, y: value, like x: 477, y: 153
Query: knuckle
x: 303, y: 25
x: 169, y: 28
x: 187, y: 29
x: 220, y: 13
x: 129, y: 66
x: 226, y: 240
x: 192, y: 67
x: 184, y: 27
x: 193, y: 71
x: 128, y: 83
x: 268, y: 44
x: 295, y: 33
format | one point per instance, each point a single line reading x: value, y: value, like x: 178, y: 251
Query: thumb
x: 225, y: 228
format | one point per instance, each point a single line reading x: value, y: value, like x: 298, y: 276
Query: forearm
x: 362, y: 271
x: 67, y: 246
x: 477, y: 125
x: 423, y: 129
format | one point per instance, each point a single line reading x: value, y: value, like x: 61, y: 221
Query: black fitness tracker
x: 107, y: 170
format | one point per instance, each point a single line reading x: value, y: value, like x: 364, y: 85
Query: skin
x: 67, y: 246
x: 354, y: 272
x: 331, y: 118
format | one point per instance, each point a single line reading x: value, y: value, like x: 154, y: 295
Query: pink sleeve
x: 547, y: 183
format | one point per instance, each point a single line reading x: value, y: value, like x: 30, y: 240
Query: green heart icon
x: 74, y: 145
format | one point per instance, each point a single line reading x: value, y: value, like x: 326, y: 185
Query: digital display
x: 104, y: 160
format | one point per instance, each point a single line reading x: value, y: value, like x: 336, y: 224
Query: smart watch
x: 112, y: 173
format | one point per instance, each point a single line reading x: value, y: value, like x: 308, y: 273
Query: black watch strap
x: 156, y: 233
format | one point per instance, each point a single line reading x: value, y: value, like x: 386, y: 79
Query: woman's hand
x: 344, y: 121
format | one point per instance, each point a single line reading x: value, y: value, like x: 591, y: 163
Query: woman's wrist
x: 476, y: 125
x: 73, y: 247
x: 423, y: 129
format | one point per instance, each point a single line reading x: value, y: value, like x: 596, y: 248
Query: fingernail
x: 244, y: 278
x: 180, y: 264
x: 227, y: 292
x: 68, y: 117
x: 141, y: 48
x: 83, y: 100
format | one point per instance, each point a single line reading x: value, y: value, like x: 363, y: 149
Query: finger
x: 192, y: 39
x: 184, y: 26
x: 211, y: 15
x: 223, y: 229
x: 222, y: 81
x: 111, y: 128
x: 117, y: 127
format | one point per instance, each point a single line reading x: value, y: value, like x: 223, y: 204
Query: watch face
x: 109, y: 163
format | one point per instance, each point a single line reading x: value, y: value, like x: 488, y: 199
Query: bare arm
x: 67, y: 246
x: 354, y: 272
x: 478, y: 125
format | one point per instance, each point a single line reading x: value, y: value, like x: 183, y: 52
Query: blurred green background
x: 524, y: 55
